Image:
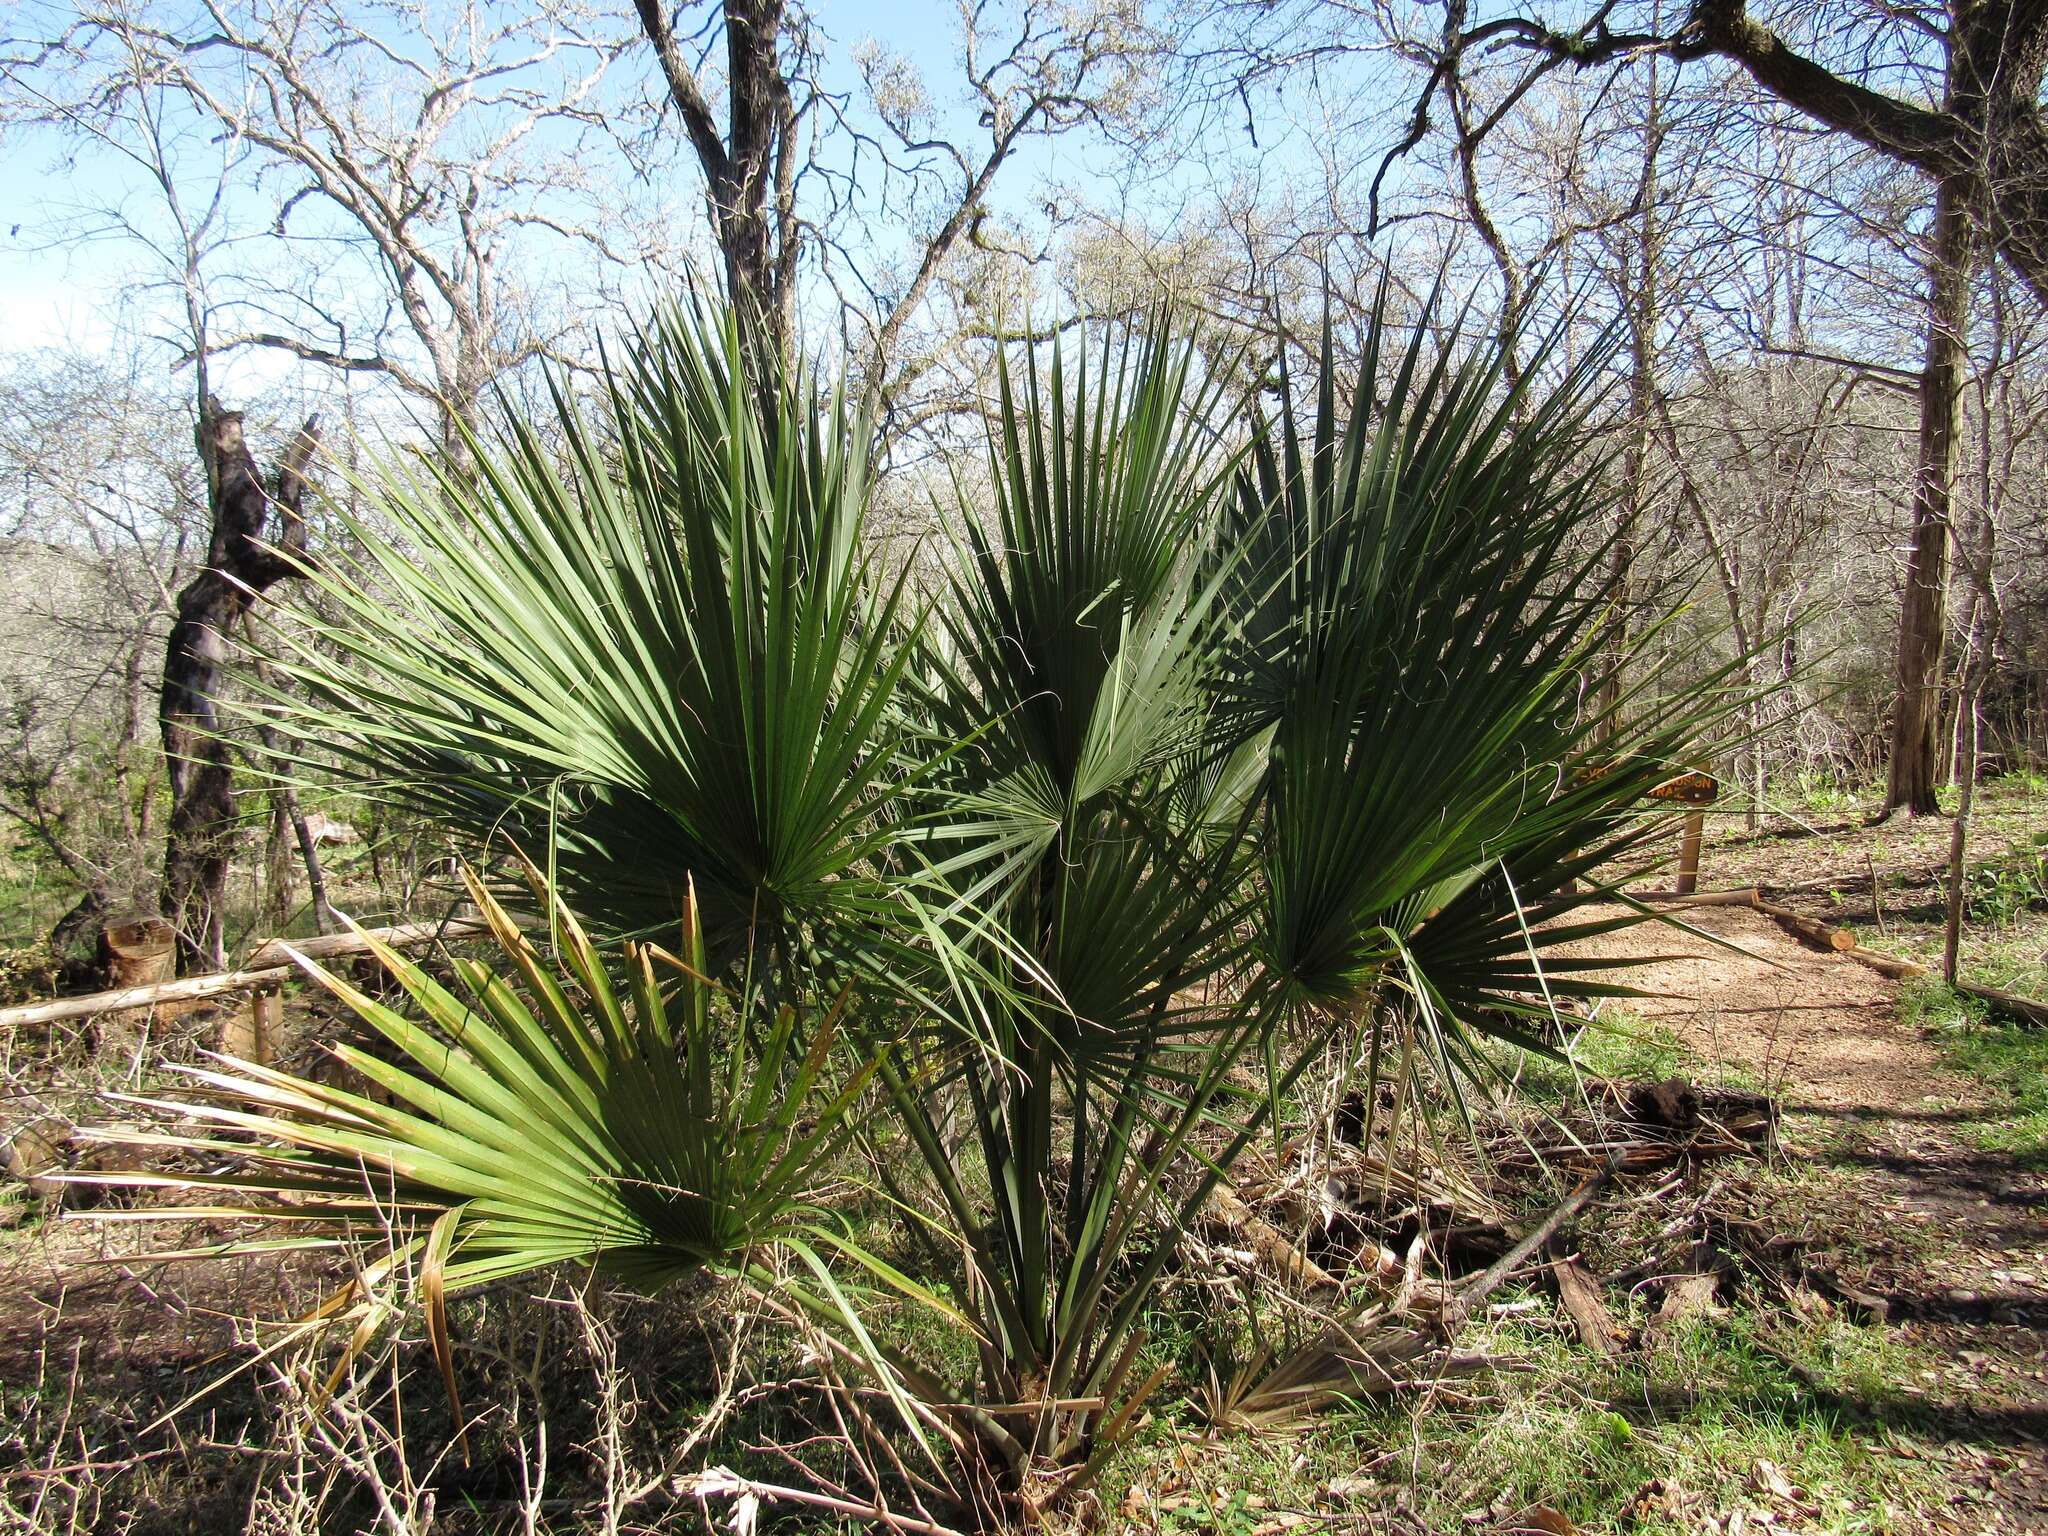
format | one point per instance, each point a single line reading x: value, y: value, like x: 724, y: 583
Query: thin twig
x: 1540, y: 1234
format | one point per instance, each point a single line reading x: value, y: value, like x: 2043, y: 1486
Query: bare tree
x: 400, y: 172
x: 793, y: 172
x: 2007, y: 407
x: 1988, y: 127
x: 102, y: 514
x: 1983, y: 141
x: 258, y: 530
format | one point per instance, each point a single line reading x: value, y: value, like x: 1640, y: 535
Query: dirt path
x: 1953, y: 1237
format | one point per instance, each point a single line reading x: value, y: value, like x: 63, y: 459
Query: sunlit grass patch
x: 2010, y: 1060
x: 1718, y: 1414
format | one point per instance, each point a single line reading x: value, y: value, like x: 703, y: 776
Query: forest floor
x: 1900, y: 1171
x: 1911, y: 1174
x: 1905, y: 1390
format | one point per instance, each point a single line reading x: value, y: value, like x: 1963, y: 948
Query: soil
x: 1953, y: 1238
x: 1901, y: 1205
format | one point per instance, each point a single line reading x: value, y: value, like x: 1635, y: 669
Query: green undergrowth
x: 1624, y: 1048
x: 2010, y: 1060
x: 1671, y: 1435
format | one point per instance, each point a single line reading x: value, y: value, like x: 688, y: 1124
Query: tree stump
x: 138, y: 952
x: 251, y: 1031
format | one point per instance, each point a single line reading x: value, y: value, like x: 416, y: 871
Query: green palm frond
x: 653, y: 646
x: 1421, y: 608
x: 544, y: 1115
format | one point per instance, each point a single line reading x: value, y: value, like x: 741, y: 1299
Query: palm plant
x: 542, y: 1113
x: 1297, y: 721
x: 1224, y: 735
x: 660, y: 654
x: 633, y: 1128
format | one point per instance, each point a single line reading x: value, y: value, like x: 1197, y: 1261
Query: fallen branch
x: 1540, y: 1234
x: 1838, y: 941
x: 1268, y: 1244
x: 748, y: 1495
x: 1810, y: 929
x: 2026, y: 1010
x: 267, y: 966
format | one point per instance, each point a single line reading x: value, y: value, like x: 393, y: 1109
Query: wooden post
x: 1689, y: 853
x: 251, y: 1031
x: 1695, y: 791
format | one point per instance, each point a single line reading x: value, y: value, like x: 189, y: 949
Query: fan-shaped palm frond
x: 550, y: 1115
x: 654, y: 647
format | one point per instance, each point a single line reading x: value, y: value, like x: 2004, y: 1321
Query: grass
x: 29, y: 903
x: 2010, y: 1060
x: 1646, y: 1447
x: 1653, y: 1445
x: 1623, y: 1048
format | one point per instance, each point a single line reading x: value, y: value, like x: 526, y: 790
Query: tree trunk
x: 239, y: 568
x: 1970, y: 736
x: 1959, y: 834
x: 1915, y: 769
x: 286, y: 815
x: 749, y: 169
x: 80, y: 923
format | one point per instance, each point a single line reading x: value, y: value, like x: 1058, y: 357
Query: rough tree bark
x: 750, y: 169
x: 1915, y: 771
x: 240, y: 566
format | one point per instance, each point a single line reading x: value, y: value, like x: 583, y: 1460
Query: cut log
x: 251, y: 1031
x: 1673, y: 1104
x: 55, y: 1159
x: 35, y: 1152
x: 1685, y: 1296
x: 2024, y: 1010
x: 1810, y: 930
x: 267, y: 967
x: 1746, y: 896
x: 1887, y: 965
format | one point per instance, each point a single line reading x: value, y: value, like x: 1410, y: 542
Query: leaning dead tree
x: 257, y: 529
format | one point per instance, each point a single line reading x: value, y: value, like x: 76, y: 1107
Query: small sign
x: 1689, y: 789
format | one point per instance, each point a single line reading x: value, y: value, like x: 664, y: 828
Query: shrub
x: 1223, y: 737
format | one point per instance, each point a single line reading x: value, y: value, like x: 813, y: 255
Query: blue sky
x: 61, y: 291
